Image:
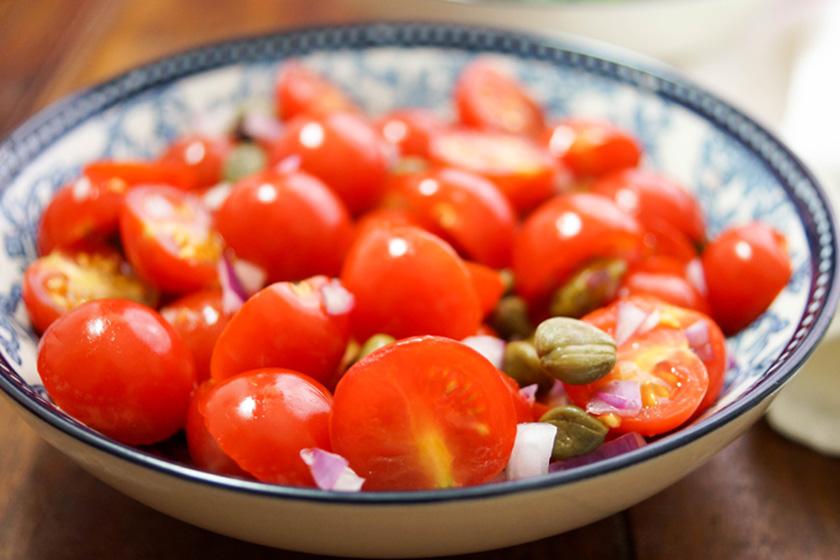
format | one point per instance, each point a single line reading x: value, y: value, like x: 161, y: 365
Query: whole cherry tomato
x: 669, y: 286
x: 301, y: 326
x: 746, y: 267
x: 520, y: 168
x: 169, y: 239
x: 464, y: 209
x: 343, y: 150
x: 290, y: 224
x: 120, y: 368
x: 489, y: 98
x: 564, y: 234
x: 199, y: 318
x: 300, y: 91
x: 384, y: 218
x: 134, y: 173
x: 456, y: 429
x: 410, y: 130
x: 202, y: 156
x: 65, y: 279
x: 488, y: 285
x: 409, y: 282
x: 592, y: 148
x: 524, y: 409
x: 204, y: 451
x: 263, y: 418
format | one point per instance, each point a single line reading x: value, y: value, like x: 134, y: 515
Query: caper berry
x: 574, y: 351
x: 243, y: 160
x: 523, y: 364
x: 510, y: 318
x: 590, y: 288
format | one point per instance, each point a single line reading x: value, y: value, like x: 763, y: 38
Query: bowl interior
x: 738, y: 172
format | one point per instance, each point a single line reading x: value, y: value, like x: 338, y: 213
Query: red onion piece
x: 216, y: 195
x: 490, y: 347
x: 623, y: 398
x: 696, y: 276
x: 650, y: 323
x: 557, y: 396
x: 233, y: 294
x: 337, y: 300
x: 613, y: 448
x: 529, y: 392
x: 251, y: 276
x: 531, y: 450
x: 698, y: 339
x: 331, y: 471
x: 261, y: 127
x: 628, y: 320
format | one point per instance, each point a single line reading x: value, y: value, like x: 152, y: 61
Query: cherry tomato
x: 199, y: 318
x: 290, y: 224
x: 524, y: 409
x: 169, y: 239
x: 80, y: 211
x: 204, y: 451
x: 409, y: 282
x: 301, y: 326
x: 201, y: 156
x: 746, y: 267
x: 384, y: 218
x: 490, y: 99
x: 670, y: 288
x: 563, y: 234
x: 703, y: 335
x: 488, y: 285
x: 410, y: 130
x: 592, y: 148
x: 521, y: 169
x: 344, y: 151
x: 134, y: 173
x: 65, y: 279
x: 464, y: 209
x: 456, y: 429
x: 301, y: 91
x: 118, y: 367
x: 263, y: 418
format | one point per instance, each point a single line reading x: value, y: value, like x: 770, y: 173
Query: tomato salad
x: 319, y: 298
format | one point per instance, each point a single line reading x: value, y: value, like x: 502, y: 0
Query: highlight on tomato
x: 410, y: 130
x: 201, y: 156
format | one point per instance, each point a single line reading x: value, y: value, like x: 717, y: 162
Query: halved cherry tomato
x: 465, y: 209
x: 488, y: 285
x: 426, y: 412
x: 409, y: 282
x: 563, y: 234
x: 300, y: 90
x: 410, y: 130
x: 134, y: 173
x: 746, y: 267
x: 301, y: 326
x: 592, y: 148
x: 199, y: 318
x: 65, y: 279
x: 290, y: 224
x: 703, y: 335
x: 520, y: 168
x: 169, y: 239
x: 489, y: 98
x: 343, y: 150
x: 263, y: 418
x: 120, y: 368
x: 201, y: 156
x: 204, y: 451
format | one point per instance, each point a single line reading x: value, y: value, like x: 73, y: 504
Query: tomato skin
x: 457, y: 429
x: 384, y: 218
x: 65, y: 279
x: 670, y: 288
x: 520, y: 168
x: 524, y: 410
x: 563, y: 234
x: 263, y: 418
x: 202, y: 157
x: 410, y: 130
x: 199, y: 318
x: 464, y: 209
x: 204, y: 451
x: 313, y: 344
x: 290, y: 224
x: 746, y: 267
x: 488, y: 98
x: 169, y: 239
x: 134, y: 173
x: 116, y: 339
x: 343, y: 150
x: 488, y: 285
x: 300, y: 91
x: 408, y: 282
x: 592, y: 148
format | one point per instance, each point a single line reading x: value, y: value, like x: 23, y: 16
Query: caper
x: 523, y: 364
x: 577, y: 431
x: 508, y: 280
x: 510, y: 318
x: 408, y: 165
x: 590, y: 288
x: 245, y: 159
x: 374, y: 343
x: 574, y: 351
x: 351, y: 355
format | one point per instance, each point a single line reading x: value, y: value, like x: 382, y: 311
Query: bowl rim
x: 53, y: 122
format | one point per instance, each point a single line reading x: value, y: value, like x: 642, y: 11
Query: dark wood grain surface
x: 763, y: 497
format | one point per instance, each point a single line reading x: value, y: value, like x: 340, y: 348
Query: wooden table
x: 763, y: 497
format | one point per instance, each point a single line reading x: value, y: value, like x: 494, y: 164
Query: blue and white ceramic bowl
x: 737, y: 169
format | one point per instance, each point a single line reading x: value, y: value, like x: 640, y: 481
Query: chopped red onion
x: 216, y: 195
x: 261, y: 126
x: 650, y: 323
x: 288, y: 164
x: 337, y: 300
x: 531, y: 450
x: 490, y: 347
x: 331, y: 471
x: 251, y: 276
x: 620, y: 397
x: 233, y: 294
x: 557, y: 396
x: 613, y: 448
x: 698, y: 339
x: 628, y: 320
x: 529, y: 392
x: 696, y: 276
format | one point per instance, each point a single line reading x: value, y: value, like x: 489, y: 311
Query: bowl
x: 737, y: 169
